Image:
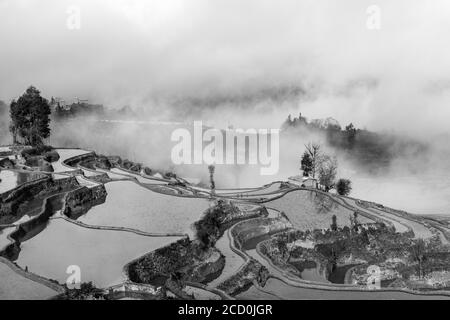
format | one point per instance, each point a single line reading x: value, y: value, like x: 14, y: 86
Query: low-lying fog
x: 418, y: 187
x: 249, y: 65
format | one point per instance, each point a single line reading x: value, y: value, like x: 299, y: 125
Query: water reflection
x: 11, y: 179
x: 132, y: 206
x: 101, y: 254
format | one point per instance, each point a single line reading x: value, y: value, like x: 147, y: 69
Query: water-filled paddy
x: 309, y: 271
x: 267, y: 189
x: 139, y: 178
x: 4, y: 241
x: 420, y: 231
x: 132, y: 206
x: 11, y: 179
x: 312, y: 210
x: 338, y: 275
x: 255, y: 294
x: 273, y: 187
x: 112, y: 175
x: 63, y: 155
x: 232, y: 260
x: 288, y: 292
x: 15, y: 287
x: 90, y: 173
x: 201, y: 294
x: 82, y: 181
x: 101, y: 254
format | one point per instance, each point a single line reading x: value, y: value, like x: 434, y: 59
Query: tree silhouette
x: 30, y: 118
x: 343, y: 187
x: 350, y: 132
x: 306, y: 164
x: 334, y: 223
x: 314, y: 151
x: 211, y: 169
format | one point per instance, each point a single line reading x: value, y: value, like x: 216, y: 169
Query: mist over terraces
x: 373, y: 151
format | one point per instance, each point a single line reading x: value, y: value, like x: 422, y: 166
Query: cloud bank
x: 148, y: 54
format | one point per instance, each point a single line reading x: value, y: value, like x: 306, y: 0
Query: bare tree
x: 315, y: 154
x: 328, y: 171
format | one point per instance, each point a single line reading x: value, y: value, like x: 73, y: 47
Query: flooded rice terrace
x: 133, y: 206
x: 11, y: 179
x: 13, y: 286
x: 4, y: 236
x: 135, y: 213
x: 276, y: 289
x: 65, y: 154
x: 135, y: 219
x: 100, y: 254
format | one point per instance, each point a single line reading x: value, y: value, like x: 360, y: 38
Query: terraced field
x: 139, y: 178
x: 101, y: 254
x: 11, y: 179
x: 420, y: 231
x: 289, y: 292
x: 130, y: 205
x: 311, y: 210
x: 232, y: 260
x: 4, y: 236
x: 65, y: 154
x: 16, y: 287
x: 153, y: 207
x: 200, y: 294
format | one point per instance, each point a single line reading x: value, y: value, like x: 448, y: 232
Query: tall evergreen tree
x: 306, y: 164
x: 30, y: 117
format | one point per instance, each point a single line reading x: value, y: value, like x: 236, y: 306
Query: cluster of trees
x: 80, y: 108
x: 370, y: 150
x: 30, y: 118
x: 323, y: 167
x: 354, y: 223
x: 336, y: 136
x: 208, y: 228
x: 87, y: 291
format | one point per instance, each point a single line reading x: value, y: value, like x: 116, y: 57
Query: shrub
x: 343, y: 187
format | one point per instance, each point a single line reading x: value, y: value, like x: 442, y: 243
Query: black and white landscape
x: 220, y: 150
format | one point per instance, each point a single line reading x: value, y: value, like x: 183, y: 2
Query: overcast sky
x: 129, y: 52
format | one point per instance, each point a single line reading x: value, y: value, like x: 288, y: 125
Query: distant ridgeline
x: 373, y: 151
x: 82, y: 108
x: 75, y: 109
